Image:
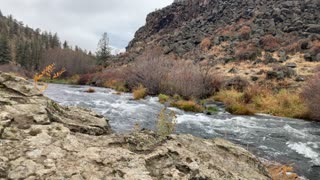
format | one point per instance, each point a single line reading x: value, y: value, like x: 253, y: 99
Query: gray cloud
x: 82, y: 22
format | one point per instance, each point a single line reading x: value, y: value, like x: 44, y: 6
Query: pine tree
x: 66, y: 45
x: 104, y: 51
x: 55, y: 42
x: 5, y: 51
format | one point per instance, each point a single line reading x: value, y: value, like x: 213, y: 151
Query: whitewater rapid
x: 290, y: 141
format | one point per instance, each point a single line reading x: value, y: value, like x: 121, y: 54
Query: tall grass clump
x: 187, y: 106
x: 234, y: 101
x: 163, y: 98
x: 140, y: 92
x: 256, y: 99
x: 166, y: 123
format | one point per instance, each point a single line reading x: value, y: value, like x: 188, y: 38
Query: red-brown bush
x: 85, y: 79
x: 244, y: 32
x: 311, y: 95
x: 246, y: 52
x: 269, y: 42
x: 315, y: 49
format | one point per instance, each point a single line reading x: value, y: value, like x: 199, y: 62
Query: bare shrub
x: 160, y: 75
x: 190, y: 80
x: 311, y: 95
x: 151, y: 73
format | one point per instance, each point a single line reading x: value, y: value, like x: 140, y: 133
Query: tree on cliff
x: 104, y: 51
x: 5, y: 52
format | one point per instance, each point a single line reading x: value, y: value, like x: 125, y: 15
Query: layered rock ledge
x: 40, y: 139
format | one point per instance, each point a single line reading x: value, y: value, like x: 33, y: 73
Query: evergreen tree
x: 5, y: 51
x: 55, y: 42
x: 66, y: 45
x: 104, y: 51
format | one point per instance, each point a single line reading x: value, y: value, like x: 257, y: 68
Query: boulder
x: 237, y: 83
x: 40, y: 139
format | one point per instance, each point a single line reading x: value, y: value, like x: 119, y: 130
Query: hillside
x: 247, y: 38
x: 25, y: 50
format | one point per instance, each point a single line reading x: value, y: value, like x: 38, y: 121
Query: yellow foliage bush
x: 47, y: 72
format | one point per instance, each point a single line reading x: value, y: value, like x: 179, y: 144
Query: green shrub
x: 212, y: 110
x: 163, y: 98
x: 188, y: 106
x: 177, y: 97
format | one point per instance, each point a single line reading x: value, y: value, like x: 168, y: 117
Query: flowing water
x: 288, y: 141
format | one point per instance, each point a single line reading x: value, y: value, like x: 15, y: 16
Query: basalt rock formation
x: 263, y: 24
x: 40, y: 139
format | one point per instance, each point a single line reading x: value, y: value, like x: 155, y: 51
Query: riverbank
x: 41, y: 139
x: 252, y: 100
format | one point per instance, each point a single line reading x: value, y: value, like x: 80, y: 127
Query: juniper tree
x: 104, y: 51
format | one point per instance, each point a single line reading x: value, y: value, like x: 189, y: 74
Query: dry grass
x: 139, y: 93
x: 205, y: 44
x: 262, y: 100
x: 188, y: 106
x: 283, y: 103
x: 116, y: 85
x: 234, y: 102
x: 246, y: 51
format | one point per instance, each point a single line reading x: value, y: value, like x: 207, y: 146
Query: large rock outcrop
x: 181, y: 27
x: 40, y: 139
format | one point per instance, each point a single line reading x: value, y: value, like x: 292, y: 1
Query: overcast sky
x: 82, y: 22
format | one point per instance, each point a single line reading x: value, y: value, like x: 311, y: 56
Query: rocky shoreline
x: 40, y: 139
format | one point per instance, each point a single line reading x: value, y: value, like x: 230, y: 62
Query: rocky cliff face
x: 181, y: 27
x: 40, y: 139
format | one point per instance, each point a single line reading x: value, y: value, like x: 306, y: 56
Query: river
x: 290, y: 141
